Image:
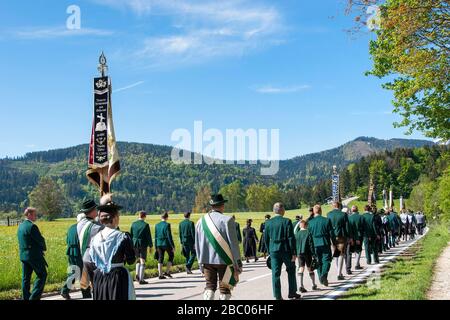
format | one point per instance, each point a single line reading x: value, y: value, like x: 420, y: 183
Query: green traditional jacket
x: 305, y: 244
x: 163, y: 235
x: 73, y: 243
x: 186, y: 231
x: 279, y: 235
x: 141, y: 234
x: 369, y: 225
x: 339, y: 223
x: 321, y: 231
x: 238, y: 232
x: 355, y: 222
x: 31, y: 243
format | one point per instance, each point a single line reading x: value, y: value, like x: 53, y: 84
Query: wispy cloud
x: 270, y: 89
x: 204, y: 29
x: 128, y: 87
x: 57, y: 32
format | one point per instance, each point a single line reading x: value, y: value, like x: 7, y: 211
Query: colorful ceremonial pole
x: 103, y: 162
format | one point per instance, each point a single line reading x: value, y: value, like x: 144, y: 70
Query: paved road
x: 256, y: 282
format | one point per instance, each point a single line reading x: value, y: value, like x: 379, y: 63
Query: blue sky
x: 285, y: 65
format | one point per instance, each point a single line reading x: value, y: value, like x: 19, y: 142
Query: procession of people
x: 98, y: 251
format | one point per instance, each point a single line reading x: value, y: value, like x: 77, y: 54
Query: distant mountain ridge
x: 150, y: 180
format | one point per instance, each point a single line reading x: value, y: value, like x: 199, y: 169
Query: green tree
x: 412, y: 49
x: 444, y: 195
x: 48, y: 198
x: 201, y: 199
x: 235, y: 194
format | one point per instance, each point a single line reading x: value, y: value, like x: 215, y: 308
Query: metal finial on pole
x: 102, y: 67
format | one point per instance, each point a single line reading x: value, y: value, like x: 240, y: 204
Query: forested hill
x: 150, y: 180
x: 315, y: 166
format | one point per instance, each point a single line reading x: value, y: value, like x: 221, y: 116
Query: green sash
x: 223, y: 250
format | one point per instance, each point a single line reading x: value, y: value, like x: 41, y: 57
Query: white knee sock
x: 341, y: 264
x: 160, y: 269
x: 208, y: 295
x: 137, y: 270
x: 313, y: 278
x: 142, y: 272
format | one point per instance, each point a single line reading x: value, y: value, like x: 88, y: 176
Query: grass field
x: 55, y: 234
x: 408, y: 278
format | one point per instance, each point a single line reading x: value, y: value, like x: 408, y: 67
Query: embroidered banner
x: 104, y: 162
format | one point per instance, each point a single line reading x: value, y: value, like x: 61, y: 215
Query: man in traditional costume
x: 355, y: 222
x: 164, y: 243
x: 322, y: 233
x: 87, y: 228
x: 340, y: 229
x: 370, y: 235
x: 280, y: 240
x: 238, y: 229
x: 187, y: 240
x: 262, y: 244
x: 217, y: 247
x: 31, y: 251
x: 74, y: 257
x: 142, y: 241
x: 110, y: 249
x: 305, y: 253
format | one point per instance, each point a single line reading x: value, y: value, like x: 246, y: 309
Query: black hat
x: 88, y: 206
x: 109, y: 207
x: 217, y: 199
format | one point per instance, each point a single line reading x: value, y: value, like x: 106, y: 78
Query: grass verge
x: 408, y: 277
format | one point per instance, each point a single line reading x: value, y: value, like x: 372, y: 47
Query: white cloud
x: 56, y: 32
x: 204, y: 29
x: 128, y: 87
x: 269, y: 89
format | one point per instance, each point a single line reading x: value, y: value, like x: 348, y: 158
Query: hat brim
x: 105, y: 208
x: 88, y: 210
x: 218, y: 203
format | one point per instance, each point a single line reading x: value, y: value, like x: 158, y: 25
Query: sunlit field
x: 55, y: 235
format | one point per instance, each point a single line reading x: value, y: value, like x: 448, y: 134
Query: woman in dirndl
x: 110, y: 250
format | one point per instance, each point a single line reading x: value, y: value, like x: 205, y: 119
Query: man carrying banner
x: 217, y: 247
x: 87, y: 228
x: 280, y: 240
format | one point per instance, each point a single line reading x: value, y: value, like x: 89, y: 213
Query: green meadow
x: 55, y: 235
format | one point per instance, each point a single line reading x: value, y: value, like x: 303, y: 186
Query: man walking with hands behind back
x: 217, y: 248
x: 32, y: 247
x: 142, y: 240
x: 187, y: 240
x: 321, y: 231
x: 281, y: 244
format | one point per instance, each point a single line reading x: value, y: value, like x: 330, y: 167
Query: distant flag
x: 372, y: 198
x: 104, y: 162
x: 391, y: 200
x: 402, y: 203
x: 385, y: 201
x: 335, y: 185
